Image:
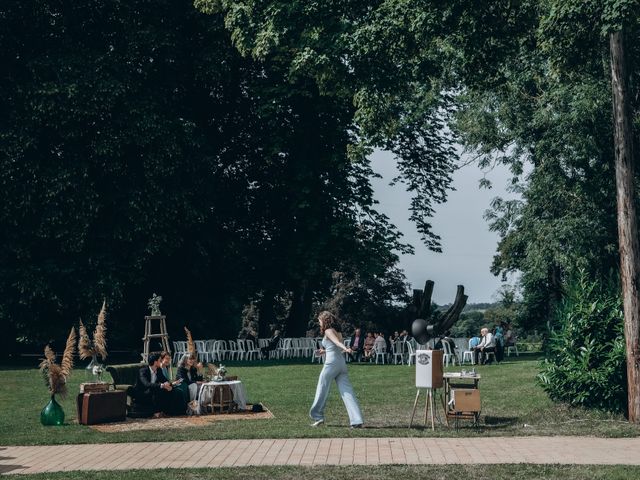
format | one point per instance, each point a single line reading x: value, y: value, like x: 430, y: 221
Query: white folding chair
x: 209, y: 348
x: 251, y: 350
x: 233, y: 349
x: 448, y: 356
x: 284, y: 348
x: 468, y: 354
x: 179, y: 349
x: 397, y: 349
x: 412, y: 353
x: 201, y: 348
x: 380, y: 353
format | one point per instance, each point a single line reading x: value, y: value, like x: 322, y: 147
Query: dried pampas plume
x: 89, y: 349
x: 100, y: 334
x: 84, y: 344
x: 191, y: 347
x: 55, y: 376
x: 67, y: 356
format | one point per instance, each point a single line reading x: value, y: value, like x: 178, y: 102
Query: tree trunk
x: 301, y: 303
x: 267, y: 315
x: 627, y: 220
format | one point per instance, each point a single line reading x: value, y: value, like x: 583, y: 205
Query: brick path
x: 325, y: 451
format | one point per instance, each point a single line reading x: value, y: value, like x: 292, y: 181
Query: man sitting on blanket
x: 153, y: 392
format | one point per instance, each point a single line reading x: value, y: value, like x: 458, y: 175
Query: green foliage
x: 381, y: 57
x: 469, y: 324
x: 585, y: 362
x: 551, y: 111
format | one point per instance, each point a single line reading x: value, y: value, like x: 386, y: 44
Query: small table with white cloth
x: 208, y: 390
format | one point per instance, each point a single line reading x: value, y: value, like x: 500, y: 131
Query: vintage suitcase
x: 102, y: 407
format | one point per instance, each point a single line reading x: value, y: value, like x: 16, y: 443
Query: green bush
x: 585, y: 362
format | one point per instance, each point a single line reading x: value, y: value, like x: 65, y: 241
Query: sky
x: 468, y: 246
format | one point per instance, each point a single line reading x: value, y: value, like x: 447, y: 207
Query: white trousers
x: 337, y: 372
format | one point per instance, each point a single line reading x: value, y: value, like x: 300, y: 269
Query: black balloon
x: 421, y: 331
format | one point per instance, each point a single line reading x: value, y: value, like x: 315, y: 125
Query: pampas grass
x: 67, y: 357
x: 100, y: 334
x: 55, y: 376
x: 191, y: 347
x: 98, y: 346
x: 84, y: 343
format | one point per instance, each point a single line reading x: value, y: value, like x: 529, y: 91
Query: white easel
x: 428, y: 377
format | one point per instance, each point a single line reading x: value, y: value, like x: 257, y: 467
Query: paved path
x: 325, y: 451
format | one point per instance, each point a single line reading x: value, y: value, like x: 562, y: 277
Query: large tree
x: 139, y: 152
x: 533, y: 81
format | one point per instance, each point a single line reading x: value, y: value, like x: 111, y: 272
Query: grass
x: 435, y: 472
x: 512, y: 402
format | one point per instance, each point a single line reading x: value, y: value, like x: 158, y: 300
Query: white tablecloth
x: 236, y: 386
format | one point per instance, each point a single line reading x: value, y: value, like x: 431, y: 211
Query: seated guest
x: 357, y: 345
x: 380, y: 344
x: 165, y: 364
x: 153, y: 391
x: 404, y: 336
x: 251, y: 335
x: 273, y: 344
x: 509, y: 336
x: 368, y: 345
x: 449, y: 340
x: 487, y: 344
x: 188, y: 374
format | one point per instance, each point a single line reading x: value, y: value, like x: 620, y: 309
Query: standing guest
x: 357, y: 345
x: 274, y: 341
x: 152, y: 390
x: 498, y: 335
x: 335, y: 368
x: 486, y: 345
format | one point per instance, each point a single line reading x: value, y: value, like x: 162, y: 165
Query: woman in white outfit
x: 335, y: 368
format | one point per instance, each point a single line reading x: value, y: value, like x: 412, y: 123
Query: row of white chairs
x: 240, y: 349
x: 402, y: 352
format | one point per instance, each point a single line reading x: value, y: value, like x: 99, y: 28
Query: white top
x: 488, y: 340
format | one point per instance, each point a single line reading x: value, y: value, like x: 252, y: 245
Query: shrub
x: 585, y: 362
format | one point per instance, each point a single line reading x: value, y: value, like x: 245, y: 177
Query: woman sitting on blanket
x: 188, y: 373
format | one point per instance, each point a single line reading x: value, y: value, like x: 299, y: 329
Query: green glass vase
x: 52, y: 414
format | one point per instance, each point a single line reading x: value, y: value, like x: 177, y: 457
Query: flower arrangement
x: 154, y: 305
x: 97, y: 347
x: 220, y: 373
x: 97, y: 371
x: 55, y: 376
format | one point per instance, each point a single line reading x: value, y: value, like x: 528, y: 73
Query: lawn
x: 513, y: 404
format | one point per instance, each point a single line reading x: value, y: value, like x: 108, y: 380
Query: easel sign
x: 428, y: 376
